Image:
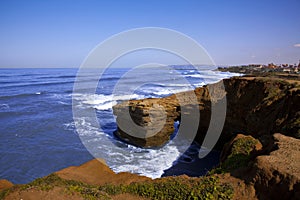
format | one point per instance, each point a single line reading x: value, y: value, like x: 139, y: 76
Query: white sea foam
x: 205, y: 76
x: 101, y: 101
x: 124, y: 158
x: 177, y: 85
x: 151, y: 163
x: 167, y: 91
x: 84, y: 127
x: 213, y: 74
x: 200, y: 84
x: 106, y: 102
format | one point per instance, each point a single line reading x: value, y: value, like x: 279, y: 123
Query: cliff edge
x: 257, y: 106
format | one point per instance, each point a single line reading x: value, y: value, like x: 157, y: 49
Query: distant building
x: 272, y: 66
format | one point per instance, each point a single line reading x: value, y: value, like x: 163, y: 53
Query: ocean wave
x: 56, y: 77
x: 151, y: 163
x: 203, y: 76
x: 123, y: 157
x: 85, y: 127
x: 38, y: 84
x: 102, y: 102
x: 4, y: 107
x: 20, y: 95
x: 169, y: 91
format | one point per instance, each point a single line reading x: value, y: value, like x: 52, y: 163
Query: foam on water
x: 101, y: 101
x: 168, y: 91
x: 124, y: 157
x: 151, y: 163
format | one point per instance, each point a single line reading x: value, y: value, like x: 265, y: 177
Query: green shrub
x: 239, y: 156
x: 176, y: 189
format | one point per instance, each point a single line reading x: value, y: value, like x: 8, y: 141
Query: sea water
x: 38, y: 134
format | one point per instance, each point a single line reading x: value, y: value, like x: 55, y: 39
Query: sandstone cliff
x: 255, y: 105
x: 261, y: 165
x: 247, y: 171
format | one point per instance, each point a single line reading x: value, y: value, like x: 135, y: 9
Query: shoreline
x: 251, y: 180
x: 242, y: 175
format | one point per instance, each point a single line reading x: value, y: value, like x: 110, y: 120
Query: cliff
x: 258, y: 165
x: 258, y: 106
x: 248, y: 171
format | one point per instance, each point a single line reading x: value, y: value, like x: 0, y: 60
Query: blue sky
x: 61, y: 33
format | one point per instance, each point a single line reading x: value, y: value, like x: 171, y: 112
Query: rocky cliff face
x: 272, y: 170
x: 255, y: 172
x: 267, y: 168
x: 255, y: 105
x: 277, y: 175
x: 263, y: 106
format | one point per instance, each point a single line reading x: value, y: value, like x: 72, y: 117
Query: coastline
x: 269, y: 174
x: 264, y: 138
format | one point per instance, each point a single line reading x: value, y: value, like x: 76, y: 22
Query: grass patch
x: 3, y: 193
x: 239, y: 156
x: 44, y: 184
x: 175, y: 188
x: 70, y: 187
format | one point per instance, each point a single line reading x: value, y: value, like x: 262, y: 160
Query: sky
x: 61, y: 33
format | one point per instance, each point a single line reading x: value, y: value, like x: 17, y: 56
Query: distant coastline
x: 260, y: 68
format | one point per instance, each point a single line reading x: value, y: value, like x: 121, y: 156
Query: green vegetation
x: 45, y: 184
x: 239, y: 156
x: 49, y: 182
x: 176, y: 188
x: 275, y: 90
x: 168, y: 188
x: 86, y: 191
x: 3, y: 193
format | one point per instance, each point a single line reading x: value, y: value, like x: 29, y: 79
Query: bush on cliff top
x: 239, y: 157
x: 176, y: 188
x: 167, y: 188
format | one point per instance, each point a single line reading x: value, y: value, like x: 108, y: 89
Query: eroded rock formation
x: 277, y: 175
x: 272, y: 170
x: 260, y: 166
x: 255, y: 105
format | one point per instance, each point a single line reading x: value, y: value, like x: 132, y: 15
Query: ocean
x: 38, y: 134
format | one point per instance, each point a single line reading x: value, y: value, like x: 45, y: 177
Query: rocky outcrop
x: 75, y: 182
x: 5, y: 184
x: 94, y: 180
x: 255, y: 105
x: 277, y: 175
x: 157, y: 116
x: 272, y: 170
x: 244, y: 145
x: 96, y: 172
x: 261, y: 106
x: 273, y: 175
